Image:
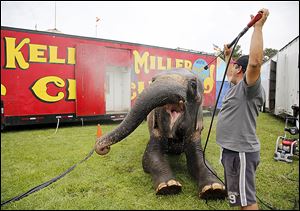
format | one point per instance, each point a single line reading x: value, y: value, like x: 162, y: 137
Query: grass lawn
x: 117, y: 180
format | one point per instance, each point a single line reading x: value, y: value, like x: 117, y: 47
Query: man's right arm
x: 256, y: 50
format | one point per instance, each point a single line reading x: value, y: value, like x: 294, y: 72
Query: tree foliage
x: 268, y: 53
x: 236, y: 53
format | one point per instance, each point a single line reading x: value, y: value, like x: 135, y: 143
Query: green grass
x: 117, y: 180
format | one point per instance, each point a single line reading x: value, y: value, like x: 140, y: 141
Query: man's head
x: 243, y: 62
x: 238, y: 69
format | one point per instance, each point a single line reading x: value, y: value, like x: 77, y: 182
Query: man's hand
x: 227, y: 52
x: 260, y: 22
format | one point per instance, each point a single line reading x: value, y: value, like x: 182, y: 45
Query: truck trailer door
x: 118, y: 78
x: 90, y: 77
x: 117, y: 92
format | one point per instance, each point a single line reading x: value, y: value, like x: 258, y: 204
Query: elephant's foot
x: 170, y: 187
x: 213, y: 191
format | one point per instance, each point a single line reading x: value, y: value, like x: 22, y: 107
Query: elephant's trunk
x: 158, y: 93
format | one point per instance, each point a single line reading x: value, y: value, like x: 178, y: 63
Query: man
x: 236, y: 127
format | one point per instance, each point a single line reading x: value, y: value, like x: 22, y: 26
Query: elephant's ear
x: 155, y: 118
x: 199, y: 121
x: 151, y: 120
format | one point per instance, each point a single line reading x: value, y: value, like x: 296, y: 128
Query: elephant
x: 172, y: 105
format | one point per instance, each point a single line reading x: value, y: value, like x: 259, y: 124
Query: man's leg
x: 239, y: 171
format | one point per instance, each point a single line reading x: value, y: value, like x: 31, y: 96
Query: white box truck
x: 280, y: 79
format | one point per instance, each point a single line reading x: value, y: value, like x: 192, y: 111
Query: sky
x: 193, y: 25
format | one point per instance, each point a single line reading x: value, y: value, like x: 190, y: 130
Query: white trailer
x: 280, y: 79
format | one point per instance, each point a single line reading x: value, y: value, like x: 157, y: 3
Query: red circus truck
x: 48, y: 77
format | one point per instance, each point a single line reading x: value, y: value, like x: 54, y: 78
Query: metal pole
x: 97, y: 21
x: 96, y: 29
x: 55, y: 15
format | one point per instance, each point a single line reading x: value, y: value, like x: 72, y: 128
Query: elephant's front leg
x: 209, y: 186
x: 156, y: 163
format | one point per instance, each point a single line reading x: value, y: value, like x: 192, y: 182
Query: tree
x: 236, y: 53
x: 268, y: 53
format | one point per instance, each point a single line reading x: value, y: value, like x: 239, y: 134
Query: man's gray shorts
x: 239, y: 171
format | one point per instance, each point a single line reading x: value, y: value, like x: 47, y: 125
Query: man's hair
x: 243, y: 62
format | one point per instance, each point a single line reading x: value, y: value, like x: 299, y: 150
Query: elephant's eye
x: 192, y: 90
x: 193, y: 84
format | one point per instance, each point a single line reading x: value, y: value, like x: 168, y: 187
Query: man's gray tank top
x: 236, y: 126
